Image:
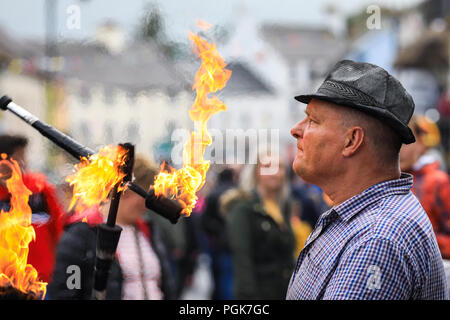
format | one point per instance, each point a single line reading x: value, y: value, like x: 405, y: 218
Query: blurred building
x: 111, y: 91
x: 422, y: 68
x: 412, y: 44
x: 20, y: 80
x: 273, y: 63
x: 121, y: 92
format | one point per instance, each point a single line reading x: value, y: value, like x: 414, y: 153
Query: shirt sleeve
x: 376, y: 269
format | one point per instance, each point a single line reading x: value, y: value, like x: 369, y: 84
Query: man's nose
x: 297, y: 130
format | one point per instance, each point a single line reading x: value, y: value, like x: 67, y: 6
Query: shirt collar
x: 347, y: 209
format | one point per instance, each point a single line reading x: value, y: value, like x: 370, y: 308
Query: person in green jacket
x: 260, y: 232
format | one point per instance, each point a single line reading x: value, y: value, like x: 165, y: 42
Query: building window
x: 85, y: 132
x: 108, y: 133
x: 85, y: 95
x: 109, y: 95
x: 133, y: 132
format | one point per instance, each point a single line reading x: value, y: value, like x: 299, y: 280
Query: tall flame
x: 212, y: 76
x: 94, y: 177
x: 16, y: 232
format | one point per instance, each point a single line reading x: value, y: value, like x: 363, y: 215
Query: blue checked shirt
x: 378, y: 244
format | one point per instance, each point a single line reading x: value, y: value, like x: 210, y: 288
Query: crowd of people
x: 252, y: 226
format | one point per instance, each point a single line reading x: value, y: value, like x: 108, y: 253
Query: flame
x: 202, y: 24
x: 212, y: 76
x: 16, y: 232
x: 95, y: 177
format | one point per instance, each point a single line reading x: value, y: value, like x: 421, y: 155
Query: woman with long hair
x: 260, y: 232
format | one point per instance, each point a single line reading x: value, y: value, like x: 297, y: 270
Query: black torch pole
x: 108, y: 233
x: 165, y: 207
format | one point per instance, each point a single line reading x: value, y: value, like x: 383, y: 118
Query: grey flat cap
x: 371, y: 89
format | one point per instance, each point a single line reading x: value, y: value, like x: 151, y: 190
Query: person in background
x: 431, y: 184
x: 182, y: 243
x: 140, y: 270
x: 47, y: 211
x: 301, y: 228
x: 259, y: 228
x: 215, y: 229
x: 310, y: 200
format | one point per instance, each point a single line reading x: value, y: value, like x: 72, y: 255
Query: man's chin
x: 298, y: 168
x: 302, y: 171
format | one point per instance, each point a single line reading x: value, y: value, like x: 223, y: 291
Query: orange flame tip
x: 95, y: 177
x: 182, y: 184
x: 202, y: 24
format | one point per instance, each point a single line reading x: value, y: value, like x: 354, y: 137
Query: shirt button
x: 265, y: 225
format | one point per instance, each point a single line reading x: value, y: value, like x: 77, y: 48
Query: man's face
x: 320, y: 138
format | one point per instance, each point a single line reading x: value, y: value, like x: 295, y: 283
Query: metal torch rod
x: 161, y: 205
x: 108, y: 234
x: 60, y: 139
x: 126, y: 168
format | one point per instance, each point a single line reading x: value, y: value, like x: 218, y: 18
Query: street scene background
x: 108, y: 72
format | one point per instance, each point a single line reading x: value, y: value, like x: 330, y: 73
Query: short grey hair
x: 384, y: 141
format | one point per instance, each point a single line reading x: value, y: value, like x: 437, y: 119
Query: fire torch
x: 108, y: 233
x: 165, y: 207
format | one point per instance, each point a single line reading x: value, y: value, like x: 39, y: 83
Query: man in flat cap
x: 376, y: 242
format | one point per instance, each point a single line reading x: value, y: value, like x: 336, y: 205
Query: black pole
x: 116, y: 194
x: 114, y: 206
x: 165, y: 207
x: 107, y: 240
x: 108, y: 234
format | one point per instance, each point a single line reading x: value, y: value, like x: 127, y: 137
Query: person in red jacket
x: 431, y: 183
x: 47, y: 211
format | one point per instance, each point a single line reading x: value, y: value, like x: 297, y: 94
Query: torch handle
x: 62, y: 140
x: 106, y: 246
x: 165, y: 207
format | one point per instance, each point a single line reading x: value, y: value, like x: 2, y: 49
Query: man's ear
x: 353, y: 141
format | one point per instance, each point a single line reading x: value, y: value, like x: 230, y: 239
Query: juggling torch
x: 108, y: 233
x: 165, y: 207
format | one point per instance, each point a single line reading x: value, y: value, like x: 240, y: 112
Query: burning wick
x: 95, y: 177
x: 212, y: 76
x: 16, y: 232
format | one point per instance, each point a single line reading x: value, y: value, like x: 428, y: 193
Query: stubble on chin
x: 303, y: 172
x: 298, y: 168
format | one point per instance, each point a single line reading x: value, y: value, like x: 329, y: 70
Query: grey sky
x: 26, y: 18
